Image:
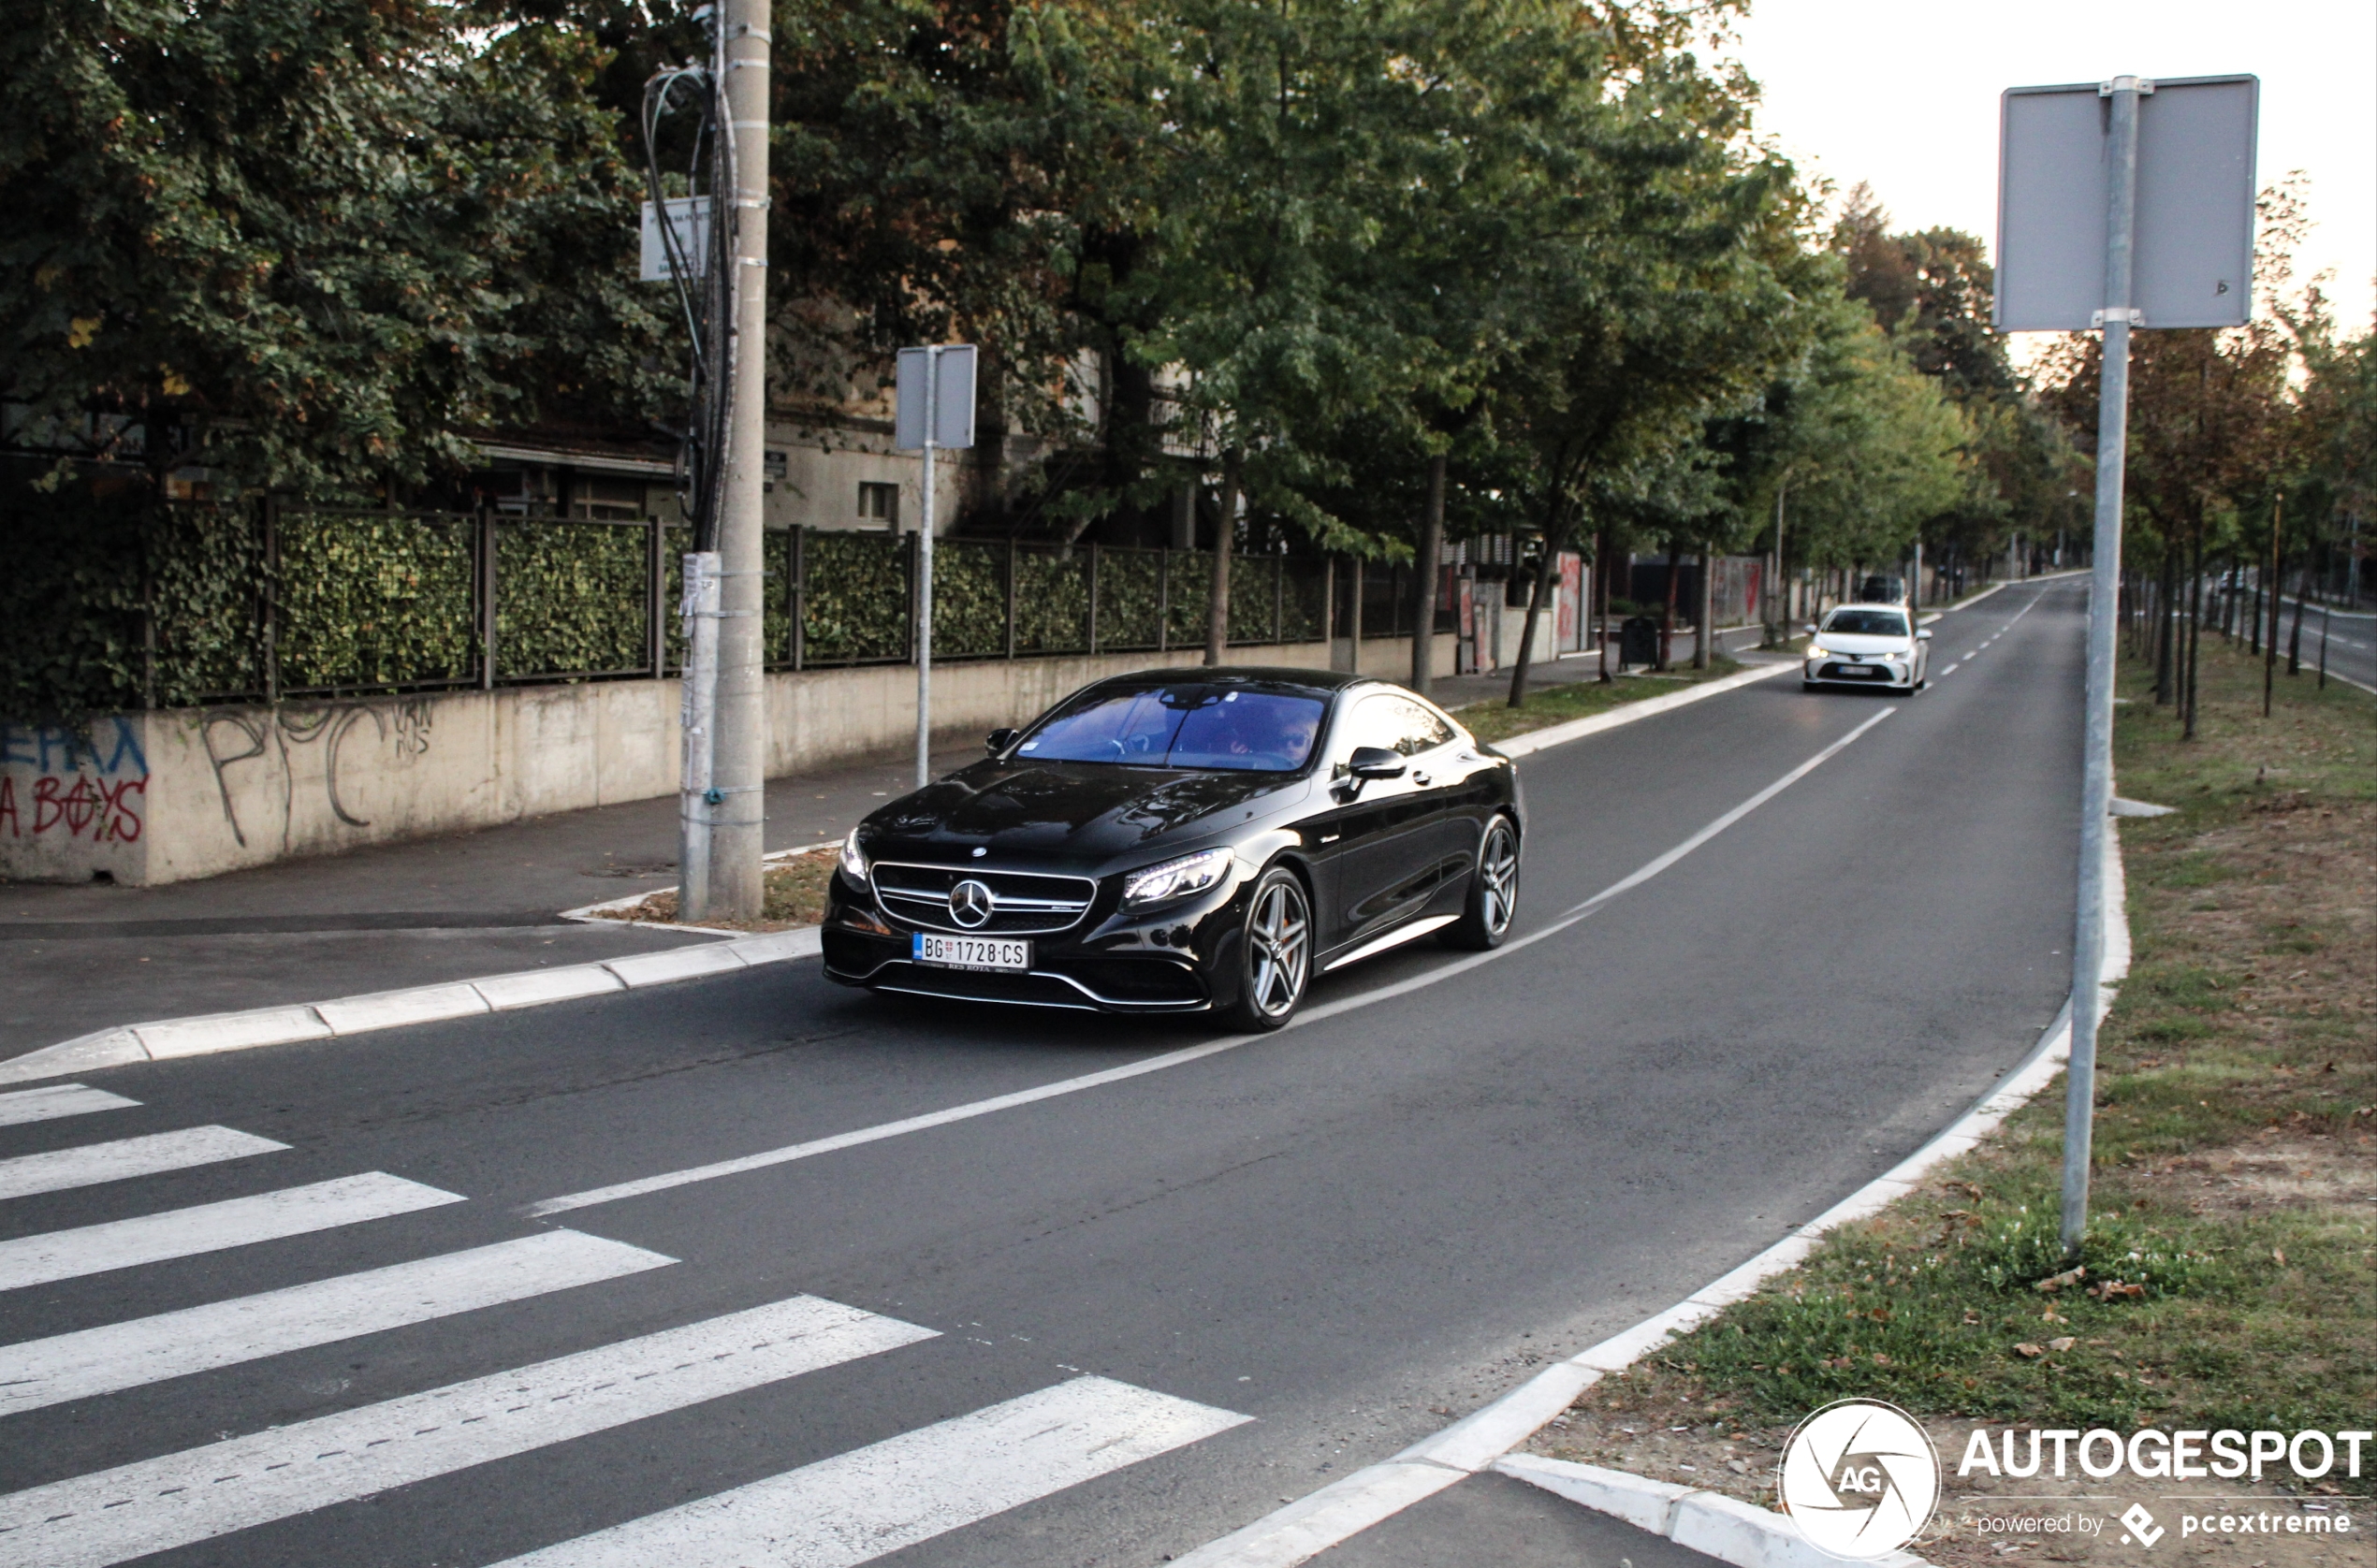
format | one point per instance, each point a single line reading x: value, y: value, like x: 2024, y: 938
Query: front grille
x: 1024, y: 903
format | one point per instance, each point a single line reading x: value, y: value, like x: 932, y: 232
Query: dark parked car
x: 1183, y: 840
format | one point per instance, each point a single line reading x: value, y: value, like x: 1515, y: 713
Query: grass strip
x: 2231, y: 1267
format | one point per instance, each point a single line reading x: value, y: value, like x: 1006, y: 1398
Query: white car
x: 1867, y: 645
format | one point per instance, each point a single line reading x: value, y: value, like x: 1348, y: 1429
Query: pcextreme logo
x: 1859, y: 1478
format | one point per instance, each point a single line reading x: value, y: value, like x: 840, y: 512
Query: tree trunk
x: 1602, y: 597
x: 2166, y: 624
x: 2267, y: 594
x: 2194, y: 637
x: 1224, y: 535
x: 1667, y: 611
x: 1706, y: 612
x: 1543, y: 570
x: 1426, y: 574
x: 2295, y: 642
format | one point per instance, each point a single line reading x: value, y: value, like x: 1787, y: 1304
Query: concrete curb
x: 1719, y: 1527
x: 1577, y: 729
x: 345, y: 1016
x: 593, y: 914
x: 1709, y: 1522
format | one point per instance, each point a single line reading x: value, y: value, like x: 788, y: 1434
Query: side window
x: 1394, y: 724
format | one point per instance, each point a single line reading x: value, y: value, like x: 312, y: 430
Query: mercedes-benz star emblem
x: 971, y: 904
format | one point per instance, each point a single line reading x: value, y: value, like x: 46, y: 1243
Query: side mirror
x: 1377, y: 762
x: 1811, y: 629
x: 1923, y: 636
x: 999, y: 740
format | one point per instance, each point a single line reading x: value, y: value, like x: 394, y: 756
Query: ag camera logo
x: 1859, y: 1478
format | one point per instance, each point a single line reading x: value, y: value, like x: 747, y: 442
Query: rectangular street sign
x: 2195, y: 214
x: 952, y: 396
x: 689, y: 217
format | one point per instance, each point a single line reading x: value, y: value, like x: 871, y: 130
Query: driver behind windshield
x: 1183, y: 727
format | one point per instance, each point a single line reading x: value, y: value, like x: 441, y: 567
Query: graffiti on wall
x: 92, y: 788
x: 238, y: 737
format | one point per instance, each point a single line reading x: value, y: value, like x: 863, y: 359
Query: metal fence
x: 304, y: 604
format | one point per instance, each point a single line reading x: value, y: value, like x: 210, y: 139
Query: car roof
x: 1319, y: 683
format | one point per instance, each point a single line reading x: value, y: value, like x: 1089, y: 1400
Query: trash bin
x: 1639, y: 640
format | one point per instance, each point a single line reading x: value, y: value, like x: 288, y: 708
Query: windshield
x: 1866, y: 623
x: 1182, y: 726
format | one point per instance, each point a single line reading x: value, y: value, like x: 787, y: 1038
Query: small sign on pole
x: 689, y: 226
x: 2120, y: 205
x: 934, y: 402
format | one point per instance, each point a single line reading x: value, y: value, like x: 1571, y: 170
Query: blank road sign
x: 952, y: 395
x: 2195, y: 233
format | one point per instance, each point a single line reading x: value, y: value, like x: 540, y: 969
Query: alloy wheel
x: 1280, y: 946
x: 1498, y: 877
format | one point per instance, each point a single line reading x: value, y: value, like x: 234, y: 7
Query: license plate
x: 969, y: 953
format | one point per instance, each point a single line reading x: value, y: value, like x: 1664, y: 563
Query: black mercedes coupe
x: 1185, y: 841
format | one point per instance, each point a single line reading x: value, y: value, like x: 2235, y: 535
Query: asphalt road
x: 1102, y: 1326
x: 2352, y: 641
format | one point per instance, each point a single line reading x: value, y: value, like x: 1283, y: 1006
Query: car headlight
x: 1176, y: 879
x: 1817, y: 650
x: 854, y: 858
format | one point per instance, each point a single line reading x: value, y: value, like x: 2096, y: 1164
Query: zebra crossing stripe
x: 127, y: 1158
x: 860, y: 1505
x: 235, y: 1222
x: 57, y: 1099
x: 118, y: 1355
x: 153, y: 1505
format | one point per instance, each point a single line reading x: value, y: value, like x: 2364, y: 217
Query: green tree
x: 312, y: 242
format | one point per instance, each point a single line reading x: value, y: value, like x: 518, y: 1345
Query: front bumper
x: 1842, y: 672
x: 1162, y: 961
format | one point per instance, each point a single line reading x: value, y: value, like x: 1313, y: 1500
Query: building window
x: 880, y: 503
x: 606, y: 501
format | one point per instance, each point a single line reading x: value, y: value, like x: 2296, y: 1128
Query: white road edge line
x: 870, y: 1502
x: 1751, y: 1538
x: 107, y: 1359
x: 198, y: 1494
x: 348, y: 1016
x: 785, y: 1155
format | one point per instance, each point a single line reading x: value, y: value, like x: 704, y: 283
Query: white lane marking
x: 860, y: 1505
x: 119, y: 1356
x: 127, y: 1158
x: 157, y: 1504
x: 235, y: 1222
x: 759, y: 1161
x: 58, y: 1099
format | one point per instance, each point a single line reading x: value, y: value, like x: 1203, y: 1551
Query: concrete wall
x: 162, y: 797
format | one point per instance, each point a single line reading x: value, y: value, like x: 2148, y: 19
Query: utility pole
x: 723, y: 824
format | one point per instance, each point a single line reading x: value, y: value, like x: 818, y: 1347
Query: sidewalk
x: 1455, y: 691
x: 76, y: 958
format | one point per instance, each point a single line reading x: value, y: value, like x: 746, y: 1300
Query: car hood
x: 1839, y: 642
x: 1080, y: 814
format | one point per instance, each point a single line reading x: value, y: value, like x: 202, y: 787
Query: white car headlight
x: 854, y: 858
x: 1176, y: 879
x: 1817, y: 650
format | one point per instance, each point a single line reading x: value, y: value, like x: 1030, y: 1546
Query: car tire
x: 1275, y: 956
x: 1807, y: 686
x: 1493, y: 891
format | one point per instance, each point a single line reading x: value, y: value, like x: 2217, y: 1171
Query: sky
x: 1906, y: 97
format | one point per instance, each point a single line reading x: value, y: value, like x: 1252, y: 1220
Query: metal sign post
x: 934, y: 395
x: 2173, y: 191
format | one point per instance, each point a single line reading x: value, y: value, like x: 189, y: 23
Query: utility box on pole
x: 934, y: 402
x: 2120, y: 205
